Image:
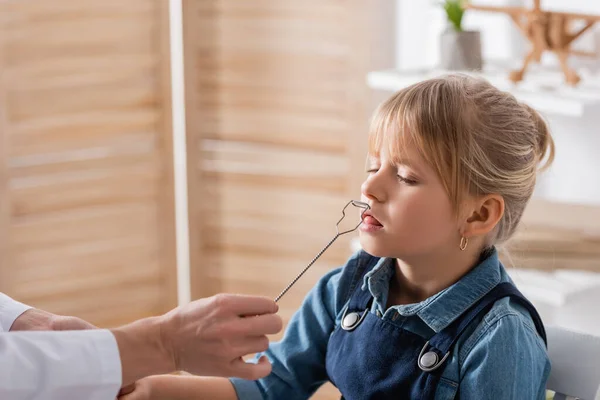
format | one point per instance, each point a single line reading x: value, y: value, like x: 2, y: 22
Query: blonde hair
x: 479, y: 140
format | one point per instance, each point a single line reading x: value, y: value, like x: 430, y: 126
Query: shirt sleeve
x: 508, y: 360
x: 59, y: 365
x: 10, y: 310
x: 298, y: 360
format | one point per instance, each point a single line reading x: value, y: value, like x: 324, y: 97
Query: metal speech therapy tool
x: 355, y: 203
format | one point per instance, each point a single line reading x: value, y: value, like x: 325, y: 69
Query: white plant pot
x: 460, y: 51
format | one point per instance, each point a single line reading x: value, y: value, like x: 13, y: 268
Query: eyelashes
x: 408, y: 181
x: 403, y: 179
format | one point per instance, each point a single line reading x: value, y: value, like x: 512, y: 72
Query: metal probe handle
x: 355, y: 203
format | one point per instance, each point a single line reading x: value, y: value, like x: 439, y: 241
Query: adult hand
x: 39, y: 320
x: 142, y: 390
x: 65, y: 323
x: 210, y: 336
x: 206, y: 337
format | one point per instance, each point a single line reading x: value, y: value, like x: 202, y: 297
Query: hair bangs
x: 395, y: 124
x: 417, y: 116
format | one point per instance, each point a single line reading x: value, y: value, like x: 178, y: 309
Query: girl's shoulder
x: 507, y: 324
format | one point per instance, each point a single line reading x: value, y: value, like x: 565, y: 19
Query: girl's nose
x: 372, y: 188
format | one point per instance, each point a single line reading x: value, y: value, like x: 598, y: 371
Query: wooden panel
x: 85, y: 89
x: 275, y: 115
x: 556, y: 236
x: 574, y: 217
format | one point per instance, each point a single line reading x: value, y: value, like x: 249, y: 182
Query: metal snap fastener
x: 350, y: 320
x: 429, y: 359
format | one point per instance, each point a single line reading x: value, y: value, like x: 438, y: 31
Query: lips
x: 370, y: 220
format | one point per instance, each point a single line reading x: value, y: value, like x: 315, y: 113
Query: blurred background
x: 158, y: 151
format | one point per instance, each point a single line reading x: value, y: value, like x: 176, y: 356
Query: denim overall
x: 369, y: 358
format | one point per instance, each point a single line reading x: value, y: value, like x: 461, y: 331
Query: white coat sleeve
x: 59, y: 365
x: 9, y: 311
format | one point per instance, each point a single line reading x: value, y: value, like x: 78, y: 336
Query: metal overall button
x: 351, y: 320
x: 430, y: 361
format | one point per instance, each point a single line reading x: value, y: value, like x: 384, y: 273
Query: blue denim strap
x: 444, y: 340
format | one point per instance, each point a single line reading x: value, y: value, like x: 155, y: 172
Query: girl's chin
x: 372, y: 247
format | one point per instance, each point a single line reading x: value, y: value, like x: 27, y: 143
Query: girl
x: 426, y: 311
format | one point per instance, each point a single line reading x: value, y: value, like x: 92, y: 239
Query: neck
x: 421, y: 277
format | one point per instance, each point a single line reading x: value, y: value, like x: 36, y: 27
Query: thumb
x: 131, y: 396
x: 252, y: 371
x: 62, y: 323
x: 127, y: 389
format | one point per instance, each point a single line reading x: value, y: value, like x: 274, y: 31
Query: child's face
x: 411, y: 213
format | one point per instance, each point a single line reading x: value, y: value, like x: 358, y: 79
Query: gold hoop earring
x: 463, y: 243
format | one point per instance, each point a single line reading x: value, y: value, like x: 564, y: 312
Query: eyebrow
x: 404, y: 161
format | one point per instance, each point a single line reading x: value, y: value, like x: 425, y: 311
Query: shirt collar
x: 439, y: 310
x: 378, y: 280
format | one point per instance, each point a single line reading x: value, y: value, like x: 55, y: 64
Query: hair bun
x: 544, y: 145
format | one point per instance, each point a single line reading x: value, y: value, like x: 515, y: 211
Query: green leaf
x: 454, y: 12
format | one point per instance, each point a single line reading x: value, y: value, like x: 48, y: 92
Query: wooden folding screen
x: 86, y: 196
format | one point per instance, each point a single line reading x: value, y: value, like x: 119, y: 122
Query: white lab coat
x: 68, y: 365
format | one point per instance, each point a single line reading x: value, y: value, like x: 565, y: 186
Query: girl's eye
x: 408, y: 181
x: 372, y: 170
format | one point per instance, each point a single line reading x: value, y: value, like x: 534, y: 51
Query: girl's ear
x: 483, y: 216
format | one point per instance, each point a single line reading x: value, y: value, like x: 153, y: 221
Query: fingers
x: 130, y: 396
x: 66, y: 323
x: 130, y: 393
x: 33, y: 320
x: 127, y: 389
x: 244, y: 305
x: 244, y: 370
x: 259, y: 325
x: 251, y: 345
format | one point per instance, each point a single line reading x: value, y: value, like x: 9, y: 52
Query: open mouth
x: 370, y: 220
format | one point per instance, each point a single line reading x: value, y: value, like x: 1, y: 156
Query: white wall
x: 575, y: 6
x: 419, y: 24
x: 575, y: 175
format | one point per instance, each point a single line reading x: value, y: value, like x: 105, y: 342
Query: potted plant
x: 459, y: 49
